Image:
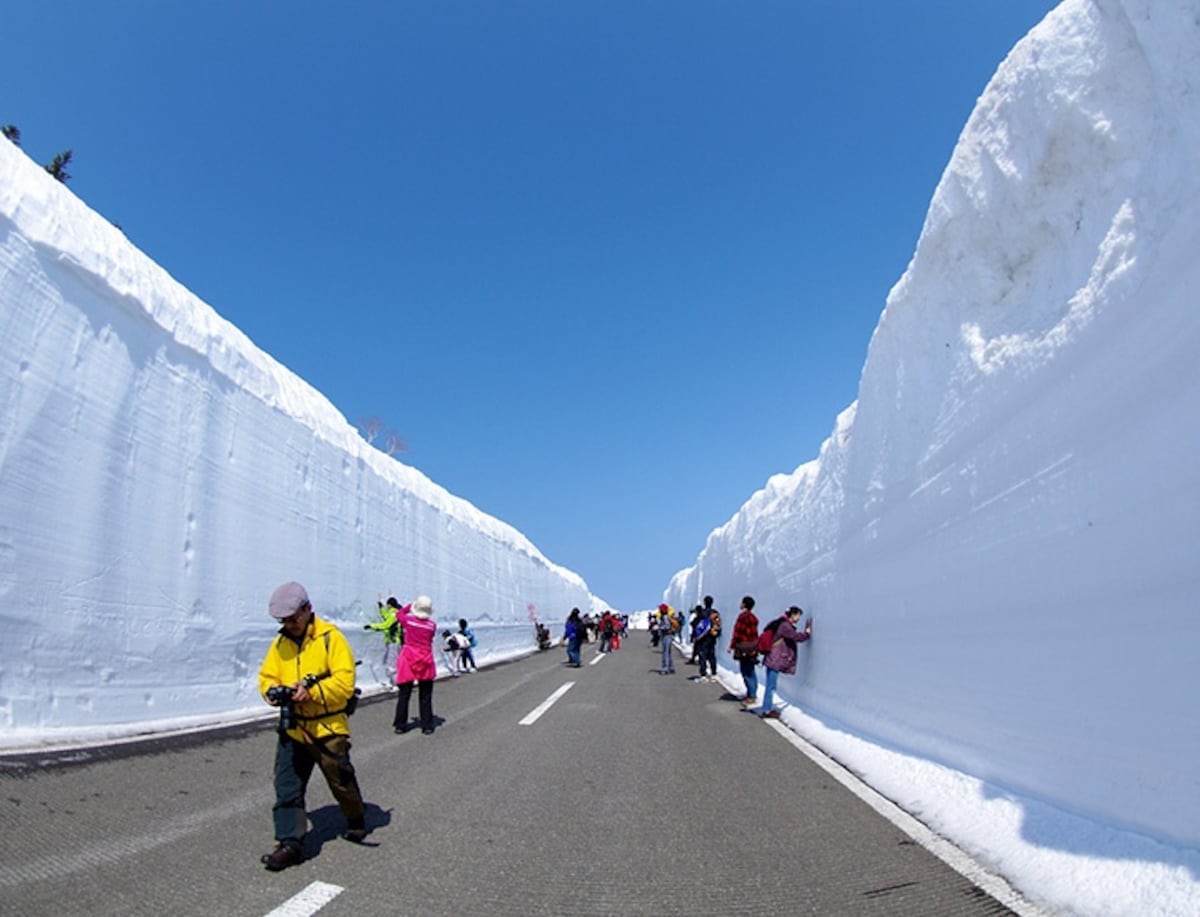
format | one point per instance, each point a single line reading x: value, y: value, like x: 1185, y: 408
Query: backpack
x: 716, y: 623
x: 767, y: 638
x: 671, y: 624
x: 703, y: 626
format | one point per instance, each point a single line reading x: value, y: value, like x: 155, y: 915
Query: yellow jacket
x: 324, y: 653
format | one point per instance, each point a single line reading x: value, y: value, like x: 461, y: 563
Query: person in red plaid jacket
x: 743, y: 646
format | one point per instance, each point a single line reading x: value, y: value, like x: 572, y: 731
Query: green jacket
x: 388, y: 625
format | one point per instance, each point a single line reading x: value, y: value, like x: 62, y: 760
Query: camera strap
x: 312, y: 680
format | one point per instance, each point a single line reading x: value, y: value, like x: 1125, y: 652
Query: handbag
x: 745, y: 649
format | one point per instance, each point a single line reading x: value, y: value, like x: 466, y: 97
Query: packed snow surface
x: 998, y: 541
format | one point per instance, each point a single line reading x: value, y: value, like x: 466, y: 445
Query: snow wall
x: 160, y: 475
x: 998, y: 540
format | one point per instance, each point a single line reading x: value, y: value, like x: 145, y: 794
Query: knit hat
x: 662, y: 607
x: 287, y: 600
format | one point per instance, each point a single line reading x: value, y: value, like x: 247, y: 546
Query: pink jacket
x: 415, y: 662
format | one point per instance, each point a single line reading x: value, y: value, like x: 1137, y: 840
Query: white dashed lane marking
x: 308, y: 901
x: 546, y: 705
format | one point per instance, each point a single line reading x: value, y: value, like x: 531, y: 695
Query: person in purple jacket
x: 782, y: 658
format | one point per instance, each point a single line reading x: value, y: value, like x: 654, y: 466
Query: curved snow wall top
x: 998, y: 540
x: 160, y: 475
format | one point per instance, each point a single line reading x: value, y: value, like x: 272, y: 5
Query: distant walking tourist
x: 415, y: 664
x: 573, y: 635
x: 468, y: 656
x: 782, y: 657
x: 668, y: 626
x: 705, y: 633
x: 744, y: 647
x: 608, y: 630
x: 308, y: 672
x: 694, y: 659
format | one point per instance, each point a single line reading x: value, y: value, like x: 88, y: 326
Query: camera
x: 281, y: 696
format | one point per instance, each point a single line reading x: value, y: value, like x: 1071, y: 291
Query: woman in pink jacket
x: 415, y: 663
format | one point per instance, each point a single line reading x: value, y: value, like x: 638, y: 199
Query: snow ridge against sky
x: 997, y: 542
x: 160, y: 474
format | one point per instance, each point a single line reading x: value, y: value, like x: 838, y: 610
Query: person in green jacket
x: 393, y: 633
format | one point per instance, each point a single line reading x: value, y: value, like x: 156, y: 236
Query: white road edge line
x: 958, y: 860
x: 546, y: 705
x: 307, y: 902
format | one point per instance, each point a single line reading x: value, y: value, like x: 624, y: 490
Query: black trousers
x: 424, y: 704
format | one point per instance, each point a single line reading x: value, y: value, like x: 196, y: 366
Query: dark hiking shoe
x: 355, y: 835
x: 771, y: 715
x: 283, y: 856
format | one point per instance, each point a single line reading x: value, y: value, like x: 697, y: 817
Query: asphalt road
x: 632, y: 793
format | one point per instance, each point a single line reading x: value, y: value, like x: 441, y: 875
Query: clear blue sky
x: 605, y: 266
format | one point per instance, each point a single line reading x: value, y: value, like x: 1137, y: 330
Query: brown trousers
x: 294, y: 762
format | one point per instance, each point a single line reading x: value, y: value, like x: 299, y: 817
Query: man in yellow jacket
x: 309, y: 672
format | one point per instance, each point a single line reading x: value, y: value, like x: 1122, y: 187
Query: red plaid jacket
x: 745, y: 629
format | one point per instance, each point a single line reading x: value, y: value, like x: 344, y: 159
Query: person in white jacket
x: 454, y: 647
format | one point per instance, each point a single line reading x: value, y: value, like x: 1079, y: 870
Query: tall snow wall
x: 160, y: 475
x: 998, y: 540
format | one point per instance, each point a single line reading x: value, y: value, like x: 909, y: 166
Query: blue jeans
x: 769, y: 691
x: 573, y: 650
x: 749, y: 676
x: 668, y: 661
